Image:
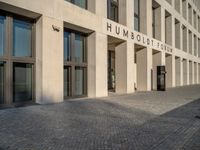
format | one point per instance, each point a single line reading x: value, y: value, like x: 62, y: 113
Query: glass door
x: 75, y: 64
x: 111, y: 70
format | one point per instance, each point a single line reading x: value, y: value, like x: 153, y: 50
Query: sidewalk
x: 141, y: 121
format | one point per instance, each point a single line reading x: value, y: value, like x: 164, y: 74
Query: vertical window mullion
x: 85, y: 50
x: 33, y: 40
x: 72, y: 47
x: 9, y: 71
x: 73, y: 59
x: 9, y: 36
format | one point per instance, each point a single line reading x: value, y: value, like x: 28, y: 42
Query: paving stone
x: 141, y: 121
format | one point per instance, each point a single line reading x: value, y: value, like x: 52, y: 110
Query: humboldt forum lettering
x: 136, y: 37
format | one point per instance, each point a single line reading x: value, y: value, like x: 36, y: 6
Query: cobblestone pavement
x: 141, y: 121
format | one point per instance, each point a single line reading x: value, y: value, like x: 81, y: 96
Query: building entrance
x: 111, y: 71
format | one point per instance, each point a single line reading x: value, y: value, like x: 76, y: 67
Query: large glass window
x: 137, y: 15
x: 113, y: 8
x: 22, y: 82
x: 67, y: 81
x: 2, y: 74
x: 22, y: 38
x: 75, y: 67
x: 2, y: 34
x: 153, y: 23
x: 16, y: 58
x: 80, y: 3
x: 79, y: 81
x: 67, y: 52
x: 79, y: 48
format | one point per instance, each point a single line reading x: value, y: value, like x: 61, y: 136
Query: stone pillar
x: 181, y: 37
x: 190, y: 43
x: 173, y: 71
x: 158, y: 23
x: 193, y: 73
x: 197, y: 73
x: 178, y: 71
x: 188, y: 72
x: 185, y: 69
x: 184, y: 9
x: 181, y: 71
x: 49, y: 74
x: 126, y: 11
x: 124, y: 67
x: 197, y: 51
x: 144, y: 66
x: 170, y: 31
x: 173, y: 3
x: 97, y: 65
x: 184, y: 39
x: 178, y: 34
x: 169, y: 71
x: 146, y: 17
x: 98, y: 7
x: 162, y: 24
x: 181, y: 7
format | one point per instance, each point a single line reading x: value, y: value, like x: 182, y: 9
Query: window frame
x: 137, y: 16
x: 9, y: 59
x: 73, y: 2
x: 109, y: 6
x: 72, y: 64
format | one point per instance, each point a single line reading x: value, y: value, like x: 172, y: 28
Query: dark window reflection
x: 79, y: 49
x: 79, y: 81
x: 137, y: 15
x: 113, y: 10
x: 2, y: 34
x: 67, y: 81
x: 22, y: 38
x: 22, y: 82
x: 67, y: 52
x: 80, y: 3
x: 2, y: 82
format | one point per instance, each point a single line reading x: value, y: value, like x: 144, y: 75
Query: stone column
x: 169, y: 76
x: 98, y: 7
x: 178, y: 71
x: 126, y: 11
x: 170, y: 31
x: 146, y: 17
x: 193, y: 73
x: 144, y: 66
x: 173, y: 71
x: 124, y: 67
x: 181, y: 71
x: 97, y: 65
x: 188, y: 72
x: 197, y: 71
x: 185, y: 69
x: 49, y: 61
x: 162, y: 24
